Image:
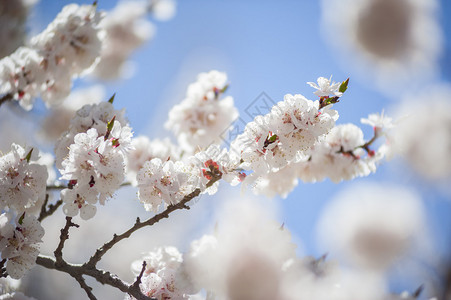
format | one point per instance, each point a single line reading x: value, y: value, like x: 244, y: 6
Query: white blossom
x: 162, y: 278
x: 339, y: 156
x: 95, y: 169
x: 71, y: 40
x: 165, y: 182
x: 145, y: 150
x: 22, y: 181
x: 245, y: 257
x: 423, y: 135
x: 163, y: 10
x: 281, y: 182
x: 125, y: 29
x: 292, y: 127
x: 326, y: 87
x: 379, y: 122
x: 69, y: 45
x: 21, y: 75
x: 18, y: 243
x: 215, y: 162
x: 59, y: 117
x: 392, y: 42
x: 201, y: 118
x: 378, y: 225
x: 89, y: 116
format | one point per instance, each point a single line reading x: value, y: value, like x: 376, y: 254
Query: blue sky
x: 264, y: 46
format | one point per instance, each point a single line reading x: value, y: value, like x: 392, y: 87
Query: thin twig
x: 86, y: 287
x: 3, y: 268
x: 63, y: 186
x: 135, y: 286
x: 6, y: 98
x: 63, y: 237
x: 100, y: 252
x: 51, y: 209
x: 105, y: 277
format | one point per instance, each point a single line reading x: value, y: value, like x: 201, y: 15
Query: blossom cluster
x: 250, y: 256
x: 22, y: 189
x: 339, y: 154
x: 165, y: 181
x: 68, y: 46
x: 89, y: 116
x: 423, y: 136
x: 22, y: 180
x: 144, y: 150
x: 163, y: 277
x: 95, y: 168
x: 201, y: 118
x: 125, y: 29
x: 272, y: 141
x: 169, y: 182
x: 18, y: 243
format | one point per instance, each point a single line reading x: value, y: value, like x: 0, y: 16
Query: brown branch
x: 85, y: 287
x: 63, y: 237
x: 134, y: 288
x: 3, y: 268
x: 100, y: 252
x: 101, y: 276
x: 105, y: 277
x: 63, y: 186
x: 52, y: 208
x: 365, y: 146
x: 6, y: 98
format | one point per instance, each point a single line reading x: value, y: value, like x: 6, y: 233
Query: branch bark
x: 63, y: 237
x: 100, y: 252
x: 101, y: 276
x: 85, y: 287
x: 77, y: 271
x: 6, y: 98
x: 48, y: 212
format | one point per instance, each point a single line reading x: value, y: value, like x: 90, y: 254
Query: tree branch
x: 52, y: 208
x: 100, y: 252
x: 3, y: 268
x: 101, y: 276
x: 63, y: 186
x: 105, y: 277
x: 63, y: 237
x: 6, y: 98
x: 86, y: 287
x: 134, y: 288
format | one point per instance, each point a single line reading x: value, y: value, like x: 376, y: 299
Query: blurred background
x: 273, y: 47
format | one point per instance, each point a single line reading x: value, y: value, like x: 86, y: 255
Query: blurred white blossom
x: 390, y: 41
x: 377, y: 225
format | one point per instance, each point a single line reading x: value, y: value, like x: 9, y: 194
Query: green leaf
x: 109, y: 127
x: 21, y: 218
x: 344, y: 86
x: 28, y: 157
x: 224, y: 89
x: 112, y: 98
x: 273, y: 138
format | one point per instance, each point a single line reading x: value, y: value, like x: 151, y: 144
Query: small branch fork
x: 89, y: 268
x: 45, y: 212
x: 63, y: 237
